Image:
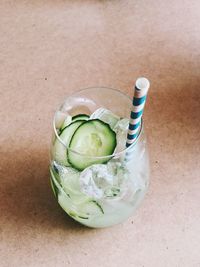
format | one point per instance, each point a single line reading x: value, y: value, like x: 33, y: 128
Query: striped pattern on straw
x: 139, y: 99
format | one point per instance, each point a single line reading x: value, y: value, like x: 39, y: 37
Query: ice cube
x: 94, y: 179
x: 105, y: 115
x: 66, y: 122
x: 68, y: 177
x: 121, y: 129
x: 102, y: 181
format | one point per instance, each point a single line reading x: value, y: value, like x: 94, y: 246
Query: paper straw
x: 139, y: 99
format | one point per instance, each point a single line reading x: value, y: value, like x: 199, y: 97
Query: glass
x: 108, y: 190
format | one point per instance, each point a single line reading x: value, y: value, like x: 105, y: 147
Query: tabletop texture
x: 50, y: 48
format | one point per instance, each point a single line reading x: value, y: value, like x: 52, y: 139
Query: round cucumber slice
x: 91, y: 208
x: 70, y: 184
x: 83, y: 211
x: 80, y: 117
x: 59, y: 150
x: 76, y: 204
x: 69, y: 119
x: 67, y: 178
x: 54, y: 189
x: 66, y: 122
x: 93, y: 138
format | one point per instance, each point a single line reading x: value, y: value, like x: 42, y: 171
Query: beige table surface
x: 52, y: 47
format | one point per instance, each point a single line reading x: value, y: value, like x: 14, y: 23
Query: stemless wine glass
x: 105, y: 190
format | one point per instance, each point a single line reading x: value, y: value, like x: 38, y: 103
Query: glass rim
x: 115, y: 154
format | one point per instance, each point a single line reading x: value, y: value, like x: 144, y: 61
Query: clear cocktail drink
x: 96, y: 180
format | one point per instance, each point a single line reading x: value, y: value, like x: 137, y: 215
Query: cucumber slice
x: 59, y: 119
x: 84, y: 117
x: 70, y: 184
x: 66, y: 122
x: 69, y: 119
x: 67, y: 178
x: 91, y: 208
x: 93, y: 138
x: 84, y: 211
x: 53, y: 187
x: 76, y: 204
x: 59, y: 150
x: 55, y: 172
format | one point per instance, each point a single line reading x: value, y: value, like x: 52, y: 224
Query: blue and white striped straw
x: 139, y: 99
